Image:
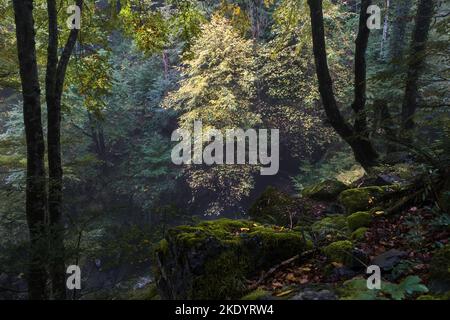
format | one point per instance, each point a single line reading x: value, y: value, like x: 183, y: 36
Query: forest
x: 224, y: 149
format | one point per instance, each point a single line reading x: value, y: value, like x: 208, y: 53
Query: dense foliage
x: 141, y: 69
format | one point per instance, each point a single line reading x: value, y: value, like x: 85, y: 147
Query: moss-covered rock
x: 212, y: 259
x: 359, y: 234
x: 274, y: 207
x: 339, y: 251
x: 440, y: 270
x: 327, y: 190
x: 331, y: 228
x: 361, y: 199
x: 359, y: 219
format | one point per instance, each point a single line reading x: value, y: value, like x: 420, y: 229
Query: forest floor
x: 401, y: 228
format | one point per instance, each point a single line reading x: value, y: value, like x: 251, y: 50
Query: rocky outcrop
x: 212, y: 259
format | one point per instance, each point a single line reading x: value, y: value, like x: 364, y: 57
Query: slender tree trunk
x: 255, y: 15
x: 356, y: 136
x: 165, y: 60
x: 385, y: 31
x: 36, y: 195
x: 416, y: 61
x: 397, y: 38
x: 56, y: 71
x: 361, y: 43
x: 56, y: 252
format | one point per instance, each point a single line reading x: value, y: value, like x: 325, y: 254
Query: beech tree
x: 36, y: 194
x: 40, y: 221
x: 355, y: 135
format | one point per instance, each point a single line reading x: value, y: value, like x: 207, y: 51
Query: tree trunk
x: 36, y: 195
x: 397, y: 38
x: 385, y: 31
x: 56, y: 71
x: 416, y: 61
x: 356, y: 136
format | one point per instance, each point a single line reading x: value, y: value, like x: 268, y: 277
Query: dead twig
x: 279, y: 266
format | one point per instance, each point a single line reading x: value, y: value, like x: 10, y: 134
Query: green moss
x: 445, y: 296
x: 359, y: 219
x: 212, y: 259
x: 12, y: 161
x: 356, y: 289
x: 163, y: 246
x: 257, y: 294
x: 330, y: 222
x: 223, y: 229
x: 360, y: 199
x: 224, y: 276
x: 273, y: 207
x: 333, y: 228
x: 326, y: 190
x: 339, y: 251
x: 359, y: 234
x: 266, y: 245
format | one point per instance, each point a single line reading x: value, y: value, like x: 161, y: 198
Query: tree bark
x: 416, y: 61
x: 385, y: 31
x: 36, y: 195
x: 361, y: 42
x: 356, y: 136
x: 397, y: 38
x: 56, y: 71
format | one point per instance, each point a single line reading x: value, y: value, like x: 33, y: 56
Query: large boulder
x: 389, y: 259
x: 344, y: 252
x: 340, y: 252
x: 327, y: 190
x: 212, y: 259
x: 358, y: 220
x: 362, y: 199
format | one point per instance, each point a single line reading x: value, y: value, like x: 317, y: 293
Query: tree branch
x: 323, y: 73
x: 65, y: 56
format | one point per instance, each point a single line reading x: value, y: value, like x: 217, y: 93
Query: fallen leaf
x: 337, y: 264
x: 291, y: 277
x: 305, y: 269
x: 277, y: 285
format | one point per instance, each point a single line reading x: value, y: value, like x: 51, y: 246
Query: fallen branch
x: 400, y: 205
x: 279, y: 266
